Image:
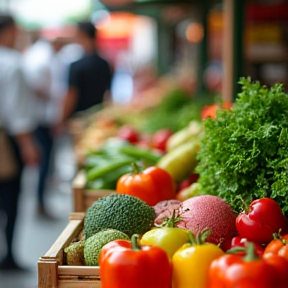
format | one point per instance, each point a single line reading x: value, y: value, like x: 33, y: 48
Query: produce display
x: 206, y: 208
x: 197, y: 244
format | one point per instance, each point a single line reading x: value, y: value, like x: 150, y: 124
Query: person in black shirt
x: 89, y: 78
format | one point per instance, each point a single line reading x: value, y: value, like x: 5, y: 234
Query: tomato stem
x: 135, y: 245
x: 245, y: 205
x: 170, y: 222
x: 277, y: 236
x: 135, y: 167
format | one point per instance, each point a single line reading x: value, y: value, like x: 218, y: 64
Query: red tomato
x: 238, y: 242
x: 263, y: 218
x: 128, y: 133
x: 278, y: 246
x: 152, y: 185
x: 209, y: 111
x: 160, y: 139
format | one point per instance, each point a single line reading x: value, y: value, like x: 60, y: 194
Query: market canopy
x: 33, y: 14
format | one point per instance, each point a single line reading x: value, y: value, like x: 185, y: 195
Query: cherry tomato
x: 160, y: 139
x: 263, y: 218
x: 128, y: 133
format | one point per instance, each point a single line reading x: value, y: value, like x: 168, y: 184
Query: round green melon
x: 94, y: 244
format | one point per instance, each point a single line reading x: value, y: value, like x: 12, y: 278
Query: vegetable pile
x: 158, y: 226
x: 119, y: 236
x: 244, y: 150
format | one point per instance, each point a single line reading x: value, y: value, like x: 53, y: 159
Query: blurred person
x: 61, y: 61
x: 16, y: 126
x: 37, y: 61
x: 89, y: 77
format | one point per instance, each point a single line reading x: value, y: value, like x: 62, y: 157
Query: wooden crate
x: 83, y: 198
x: 52, y: 273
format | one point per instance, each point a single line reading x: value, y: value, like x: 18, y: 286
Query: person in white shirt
x: 45, y: 72
x: 36, y: 64
x: 17, y: 120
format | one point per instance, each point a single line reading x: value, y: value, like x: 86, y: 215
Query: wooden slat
x: 77, y: 216
x: 95, y: 194
x: 79, y: 284
x: 79, y: 270
x: 70, y: 232
x: 47, y: 274
x: 83, y: 198
x: 78, y: 188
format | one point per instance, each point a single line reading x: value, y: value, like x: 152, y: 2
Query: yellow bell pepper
x: 168, y: 237
x: 191, y: 262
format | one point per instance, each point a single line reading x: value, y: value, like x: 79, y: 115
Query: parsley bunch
x: 244, y: 151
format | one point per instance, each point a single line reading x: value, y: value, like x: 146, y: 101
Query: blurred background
x: 148, y: 38
x: 151, y: 45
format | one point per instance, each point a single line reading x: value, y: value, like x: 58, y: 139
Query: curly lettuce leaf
x: 244, y: 151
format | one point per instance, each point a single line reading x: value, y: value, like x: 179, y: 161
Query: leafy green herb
x: 175, y: 112
x: 244, y: 151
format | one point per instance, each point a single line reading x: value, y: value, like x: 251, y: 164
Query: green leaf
x: 244, y: 151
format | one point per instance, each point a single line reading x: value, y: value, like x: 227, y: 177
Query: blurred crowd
x: 42, y: 85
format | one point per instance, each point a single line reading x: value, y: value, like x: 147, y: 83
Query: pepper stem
x: 135, y: 245
x: 192, y: 238
x: 250, y: 253
x: 236, y: 249
x: 200, y: 238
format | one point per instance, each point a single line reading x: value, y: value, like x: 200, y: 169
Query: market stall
x: 190, y: 192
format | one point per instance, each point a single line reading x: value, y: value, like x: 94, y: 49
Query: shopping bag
x: 8, y: 163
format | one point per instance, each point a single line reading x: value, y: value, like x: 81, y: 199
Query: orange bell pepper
x: 278, y: 246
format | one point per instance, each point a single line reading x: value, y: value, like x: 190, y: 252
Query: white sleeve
x: 19, y: 104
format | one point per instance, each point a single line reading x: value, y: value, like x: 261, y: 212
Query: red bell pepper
x: 238, y: 242
x: 125, y: 264
x: 263, y: 218
x: 248, y: 272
